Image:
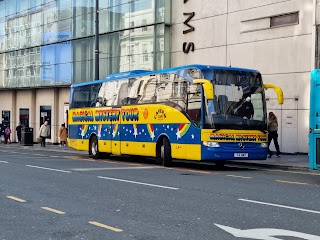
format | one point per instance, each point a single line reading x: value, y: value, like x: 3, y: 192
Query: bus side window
x: 149, y: 91
x: 123, y: 94
x: 164, y: 89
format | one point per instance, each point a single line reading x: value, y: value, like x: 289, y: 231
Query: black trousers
x: 43, y: 141
x: 274, y: 136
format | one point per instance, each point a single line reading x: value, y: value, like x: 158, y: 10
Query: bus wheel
x: 93, y: 148
x: 165, y: 153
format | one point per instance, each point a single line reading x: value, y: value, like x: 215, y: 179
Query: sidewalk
x: 285, y: 162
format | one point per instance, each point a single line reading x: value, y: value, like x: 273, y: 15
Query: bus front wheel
x: 165, y: 152
x: 93, y: 148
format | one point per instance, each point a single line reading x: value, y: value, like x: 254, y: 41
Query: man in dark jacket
x: 18, y: 130
x: 246, y: 110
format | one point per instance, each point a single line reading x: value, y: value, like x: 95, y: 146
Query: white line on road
x: 141, y: 183
x: 51, y: 169
x: 3, y: 162
x: 112, y: 168
x: 278, y: 205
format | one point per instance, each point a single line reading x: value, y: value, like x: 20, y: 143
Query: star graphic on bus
x: 135, y: 130
x: 178, y: 134
x: 99, y: 130
x: 182, y: 130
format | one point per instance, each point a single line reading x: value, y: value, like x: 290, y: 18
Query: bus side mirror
x: 207, y: 87
x: 278, y: 91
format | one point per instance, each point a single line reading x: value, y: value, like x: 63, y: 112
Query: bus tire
x: 93, y: 148
x: 165, y: 152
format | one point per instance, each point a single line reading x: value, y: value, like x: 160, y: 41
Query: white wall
x: 239, y: 33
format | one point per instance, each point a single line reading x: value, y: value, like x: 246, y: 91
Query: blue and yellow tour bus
x: 194, y: 112
x: 314, y: 121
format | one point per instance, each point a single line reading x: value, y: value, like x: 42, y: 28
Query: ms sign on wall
x: 188, y: 46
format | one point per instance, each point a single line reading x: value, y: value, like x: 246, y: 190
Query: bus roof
x: 140, y: 73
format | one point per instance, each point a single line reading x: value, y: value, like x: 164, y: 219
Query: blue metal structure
x: 314, y: 126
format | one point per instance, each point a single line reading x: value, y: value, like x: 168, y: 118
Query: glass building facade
x: 52, y: 42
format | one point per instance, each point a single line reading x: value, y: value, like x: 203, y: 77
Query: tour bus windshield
x: 238, y: 102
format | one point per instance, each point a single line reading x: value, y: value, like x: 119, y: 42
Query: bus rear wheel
x: 93, y: 148
x: 165, y: 152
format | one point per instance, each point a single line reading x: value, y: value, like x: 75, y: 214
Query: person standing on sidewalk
x: 273, y: 134
x: 7, y: 133
x: 44, y: 133
x: 63, y: 135
x: 18, y: 130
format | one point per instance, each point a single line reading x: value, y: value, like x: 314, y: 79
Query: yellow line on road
x: 53, y: 210
x: 16, y: 199
x: 235, y: 176
x: 106, y: 226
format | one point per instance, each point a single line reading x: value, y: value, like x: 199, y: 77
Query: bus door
x: 115, y: 132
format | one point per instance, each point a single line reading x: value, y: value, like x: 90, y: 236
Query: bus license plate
x: 242, y: 155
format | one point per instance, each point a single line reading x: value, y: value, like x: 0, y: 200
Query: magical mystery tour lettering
x: 238, y: 137
x: 105, y: 115
x: 187, y: 46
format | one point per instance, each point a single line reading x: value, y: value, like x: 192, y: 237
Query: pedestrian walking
x: 44, y: 133
x: 1, y: 133
x: 7, y: 133
x: 273, y: 134
x: 63, y: 135
x: 18, y: 130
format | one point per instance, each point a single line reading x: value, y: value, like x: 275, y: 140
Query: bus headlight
x: 211, y: 144
x: 264, y: 145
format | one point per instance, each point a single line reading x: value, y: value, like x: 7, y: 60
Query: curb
x: 270, y: 166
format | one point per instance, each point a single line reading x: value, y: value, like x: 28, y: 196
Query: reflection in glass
x: 37, y: 36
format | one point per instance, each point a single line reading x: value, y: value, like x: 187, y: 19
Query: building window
x: 132, y: 54
x: 144, y: 27
x: 132, y: 26
x: 145, y: 52
x: 285, y: 19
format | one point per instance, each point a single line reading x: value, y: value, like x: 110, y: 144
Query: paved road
x: 66, y: 195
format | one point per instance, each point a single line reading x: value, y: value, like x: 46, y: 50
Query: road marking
x: 274, y: 170
x: 53, y: 210
x: 188, y: 170
x: 298, y: 183
x: 51, y: 169
x: 266, y: 233
x: 3, y: 162
x: 112, y: 168
x: 16, y: 199
x: 235, y: 176
x: 278, y: 205
x: 141, y: 183
x: 106, y: 226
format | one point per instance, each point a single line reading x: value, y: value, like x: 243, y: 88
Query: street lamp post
x: 96, y: 51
